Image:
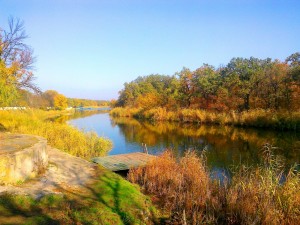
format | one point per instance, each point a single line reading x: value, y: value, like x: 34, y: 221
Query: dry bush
x: 253, y: 195
x: 181, y: 187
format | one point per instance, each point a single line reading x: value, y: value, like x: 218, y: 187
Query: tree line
x: 52, y: 99
x: 243, y: 84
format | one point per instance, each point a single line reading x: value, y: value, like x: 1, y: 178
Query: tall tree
x: 249, y: 73
x: 186, y: 91
x: 206, y: 82
x: 14, y: 53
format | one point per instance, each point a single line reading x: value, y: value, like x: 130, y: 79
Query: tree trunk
x: 247, y: 102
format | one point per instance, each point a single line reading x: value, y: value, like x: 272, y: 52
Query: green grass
x: 109, y: 200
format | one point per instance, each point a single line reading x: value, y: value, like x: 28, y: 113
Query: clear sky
x: 90, y: 48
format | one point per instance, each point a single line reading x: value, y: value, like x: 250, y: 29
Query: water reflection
x: 224, y: 146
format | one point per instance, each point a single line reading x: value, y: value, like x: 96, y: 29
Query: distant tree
x: 60, y: 102
x: 145, y: 87
x: 293, y: 59
x: 294, y: 62
x: 49, y: 97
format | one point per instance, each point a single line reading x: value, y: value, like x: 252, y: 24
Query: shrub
x: 253, y: 195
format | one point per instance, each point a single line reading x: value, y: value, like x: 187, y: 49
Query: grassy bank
x: 59, y: 135
x: 260, y: 195
x: 109, y: 200
x: 254, y: 118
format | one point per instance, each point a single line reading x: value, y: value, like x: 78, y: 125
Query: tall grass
x: 253, y: 118
x: 59, y: 135
x: 260, y: 195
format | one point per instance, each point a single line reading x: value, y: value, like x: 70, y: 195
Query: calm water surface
x: 224, y: 146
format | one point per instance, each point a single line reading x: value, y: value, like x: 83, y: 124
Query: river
x: 223, y: 146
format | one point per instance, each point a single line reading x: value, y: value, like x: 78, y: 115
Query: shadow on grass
x: 113, y: 188
x: 14, y: 212
x: 109, y: 199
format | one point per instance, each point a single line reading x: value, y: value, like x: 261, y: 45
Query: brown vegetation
x: 252, y: 118
x: 261, y: 195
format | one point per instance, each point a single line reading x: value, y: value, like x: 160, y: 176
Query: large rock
x: 21, y: 157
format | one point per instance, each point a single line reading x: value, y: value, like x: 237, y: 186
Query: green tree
x: 206, y: 82
x: 246, y: 74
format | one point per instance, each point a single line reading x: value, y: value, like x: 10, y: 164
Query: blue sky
x: 90, y: 48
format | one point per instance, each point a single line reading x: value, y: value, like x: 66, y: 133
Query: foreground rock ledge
x: 21, y: 157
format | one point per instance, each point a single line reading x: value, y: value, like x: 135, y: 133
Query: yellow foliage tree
x: 8, y: 90
x: 60, y: 101
x: 148, y: 101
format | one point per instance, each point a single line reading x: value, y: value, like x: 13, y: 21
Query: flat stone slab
x: 124, y: 161
x: 21, y: 157
x: 10, y: 143
x: 65, y: 173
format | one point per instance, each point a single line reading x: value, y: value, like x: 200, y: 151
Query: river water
x: 224, y: 146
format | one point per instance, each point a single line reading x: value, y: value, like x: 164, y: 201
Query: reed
x: 254, y: 195
x: 182, y: 187
x: 252, y: 118
x: 125, y: 112
x: 59, y: 135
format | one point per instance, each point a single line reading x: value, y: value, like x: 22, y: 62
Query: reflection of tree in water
x: 224, y: 145
x: 77, y: 114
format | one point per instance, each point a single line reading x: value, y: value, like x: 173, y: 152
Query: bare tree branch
x: 14, y: 52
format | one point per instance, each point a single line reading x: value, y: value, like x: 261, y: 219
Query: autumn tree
x: 8, y: 90
x: 49, y: 97
x: 186, y: 91
x: 243, y: 84
x: 206, y: 82
x: 154, y: 87
x: 60, y: 102
x: 294, y: 77
x: 246, y: 74
x: 16, y: 54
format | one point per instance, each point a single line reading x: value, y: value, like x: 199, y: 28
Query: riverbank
x: 253, y: 118
x: 59, y: 135
x: 72, y: 190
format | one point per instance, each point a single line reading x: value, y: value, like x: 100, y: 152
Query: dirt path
x: 65, y: 172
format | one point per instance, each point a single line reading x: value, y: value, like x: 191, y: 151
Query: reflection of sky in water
x: 224, y: 146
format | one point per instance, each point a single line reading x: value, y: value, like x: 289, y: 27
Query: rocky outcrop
x: 21, y: 157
